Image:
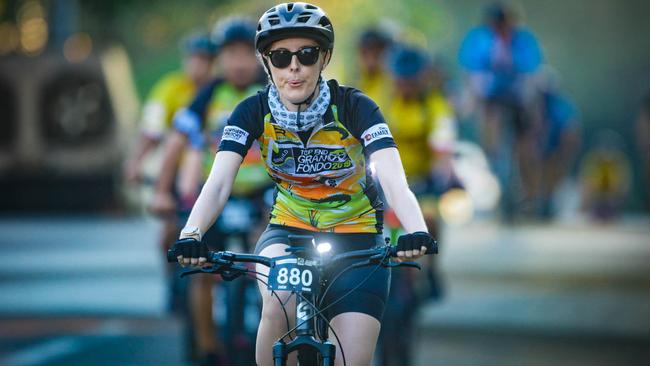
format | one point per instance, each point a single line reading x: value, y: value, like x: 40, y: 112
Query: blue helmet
x: 233, y: 29
x: 405, y: 61
x: 199, y: 42
x: 294, y: 20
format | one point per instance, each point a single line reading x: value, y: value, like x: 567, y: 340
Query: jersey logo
x: 374, y: 133
x: 236, y: 134
x: 320, y: 159
x: 292, y: 159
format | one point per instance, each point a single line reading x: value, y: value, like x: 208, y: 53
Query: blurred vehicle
x: 60, y: 146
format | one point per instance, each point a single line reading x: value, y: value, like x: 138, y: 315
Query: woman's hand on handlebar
x: 190, y: 251
x: 414, y: 245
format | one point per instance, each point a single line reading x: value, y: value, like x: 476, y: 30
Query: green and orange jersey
x: 322, y: 180
x: 203, y: 122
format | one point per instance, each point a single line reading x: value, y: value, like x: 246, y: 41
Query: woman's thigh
x: 358, y: 334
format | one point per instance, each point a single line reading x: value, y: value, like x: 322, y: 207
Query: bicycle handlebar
x: 229, y: 258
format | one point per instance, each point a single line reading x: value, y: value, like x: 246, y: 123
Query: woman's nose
x: 295, y: 64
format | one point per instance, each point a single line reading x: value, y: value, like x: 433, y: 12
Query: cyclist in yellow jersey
x: 170, y: 94
x: 372, y: 79
x: 174, y: 91
x: 195, y: 136
x: 420, y: 118
x: 422, y: 124
x: 605, y: 177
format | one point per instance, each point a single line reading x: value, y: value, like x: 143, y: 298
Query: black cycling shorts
x: 370, y: 298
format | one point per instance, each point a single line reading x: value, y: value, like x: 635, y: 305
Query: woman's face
x: 239, y: 64
x: 296, y: 81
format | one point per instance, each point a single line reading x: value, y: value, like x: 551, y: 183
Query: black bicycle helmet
x: 374, y: 38
x: 233, y: 29
x: 294, y: 20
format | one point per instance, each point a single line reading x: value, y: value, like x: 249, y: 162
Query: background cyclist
x: 302, y: 124
x: 558, y: 137
x: 423, y: 125
x: 172, y: 92
x: 500, y: 58
x: 196, y: 134
x: 372, y: 77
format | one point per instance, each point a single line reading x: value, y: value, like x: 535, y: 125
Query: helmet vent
x: 310, y: 6
x: 274, y: 20
x: 290, y: 7
x: 303, y: 18
x: 325, y: 22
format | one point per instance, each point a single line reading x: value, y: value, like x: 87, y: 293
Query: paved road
x: 566, y: 294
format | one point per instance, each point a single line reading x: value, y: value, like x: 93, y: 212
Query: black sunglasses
x: 282, y: 58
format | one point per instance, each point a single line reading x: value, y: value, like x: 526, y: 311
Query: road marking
x: 41, y: 353
x: 45, y: 352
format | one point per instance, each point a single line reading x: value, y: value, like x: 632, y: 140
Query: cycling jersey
x: 499, y: 62
x: 322, y: 180
x: 421, y: 127
x: 171, y: 93
x: 559, y: 116
x: 203, y: 122
x: 376, y: 86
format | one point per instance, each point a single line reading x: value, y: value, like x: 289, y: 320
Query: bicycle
x: 301, y: 272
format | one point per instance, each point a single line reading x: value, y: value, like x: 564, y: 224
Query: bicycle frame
x: 307, y: 311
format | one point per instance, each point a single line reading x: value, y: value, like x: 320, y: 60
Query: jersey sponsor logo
x: 320, y: 159
x: 236, y: 134
x: 374, y: 133
x: 297, y: 160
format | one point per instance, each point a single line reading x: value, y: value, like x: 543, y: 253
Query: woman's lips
x: 295, y: 83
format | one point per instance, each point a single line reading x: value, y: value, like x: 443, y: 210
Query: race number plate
x: 294, y: 274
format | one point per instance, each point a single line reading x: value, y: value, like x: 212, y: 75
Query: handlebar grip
x: 432, y: 248
x: 171, y: 256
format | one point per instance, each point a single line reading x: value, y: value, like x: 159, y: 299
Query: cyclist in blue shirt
x: 501, y: 58
x: 558, y: 139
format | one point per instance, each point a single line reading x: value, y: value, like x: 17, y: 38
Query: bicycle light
x: 323, y: 248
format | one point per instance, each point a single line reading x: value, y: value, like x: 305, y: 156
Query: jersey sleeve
x: 244, y: 126
x: 156, y: 110
x: 444, y: 133
x: 191, y: 119
x: 367, y: 124
x: 187, y: 122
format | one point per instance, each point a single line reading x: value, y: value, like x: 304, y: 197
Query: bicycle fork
x: 305, y: 343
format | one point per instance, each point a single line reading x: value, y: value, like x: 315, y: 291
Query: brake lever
x: 234, y: 271
x: 404, y: 264
x: 228, y: 272
x: 210, y: 270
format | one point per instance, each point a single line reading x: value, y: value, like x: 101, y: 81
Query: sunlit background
x: 80, y: 268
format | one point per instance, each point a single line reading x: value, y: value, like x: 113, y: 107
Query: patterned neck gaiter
x: 303, y: 120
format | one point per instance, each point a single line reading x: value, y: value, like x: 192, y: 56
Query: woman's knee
x: 275, y: 307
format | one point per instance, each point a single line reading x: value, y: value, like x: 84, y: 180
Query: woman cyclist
x: 320, y: 142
